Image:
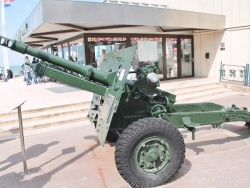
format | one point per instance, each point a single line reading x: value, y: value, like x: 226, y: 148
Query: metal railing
x: 235, y: 73
x: 247, y: 76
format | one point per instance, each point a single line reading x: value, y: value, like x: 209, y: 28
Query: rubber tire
x: 112, y: 136
x: 129, y: 140
x: 247, y: 125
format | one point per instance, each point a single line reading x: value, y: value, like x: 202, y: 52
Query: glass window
x: 171, y: 55
x: 66, y: 51
x: 59, y: 50
x: 148, y: 50
x: 49, y: 50
x: 73, y: 53
x: 77, y: 53
x: 80, y: 53
x: 186, y: 57
x: 100, y: 45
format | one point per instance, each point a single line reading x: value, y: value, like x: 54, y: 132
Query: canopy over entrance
x: 54, y: 21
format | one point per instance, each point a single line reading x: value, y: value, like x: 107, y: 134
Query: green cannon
x: 142, y: 119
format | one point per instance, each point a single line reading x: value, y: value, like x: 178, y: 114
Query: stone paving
x: 71, y: 156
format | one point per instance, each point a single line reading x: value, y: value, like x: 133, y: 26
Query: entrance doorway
x: 171, y: 57
x: 173, y: 53
x: 186, y: 57
x: 179, y: 57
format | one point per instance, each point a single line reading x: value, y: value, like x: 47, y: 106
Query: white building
x: 186, y: 37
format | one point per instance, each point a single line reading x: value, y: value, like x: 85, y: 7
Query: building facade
x: 186, y: 38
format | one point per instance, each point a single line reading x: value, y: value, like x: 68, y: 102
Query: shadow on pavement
x: 14, y: 180
x: 185, y: 168
x: 242, y: 132
x: 31, y: 152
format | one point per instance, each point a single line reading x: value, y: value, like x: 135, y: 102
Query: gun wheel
x: 149, y: 152
x: 112, y: 136
x: 247, y: 125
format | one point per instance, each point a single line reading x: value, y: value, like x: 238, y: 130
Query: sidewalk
x: 36, y: 96
x: 72, y: 157
x: 15, y: 91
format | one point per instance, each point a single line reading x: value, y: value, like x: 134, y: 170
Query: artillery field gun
x: 142, y: 118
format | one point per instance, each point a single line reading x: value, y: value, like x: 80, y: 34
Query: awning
x: 53, y: 21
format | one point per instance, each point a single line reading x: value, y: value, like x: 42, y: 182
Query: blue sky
x: 15, y: 16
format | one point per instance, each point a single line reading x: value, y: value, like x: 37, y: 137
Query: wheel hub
x: 152, y: 155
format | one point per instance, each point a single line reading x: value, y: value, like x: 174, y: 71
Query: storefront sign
x: 106, y: 39
x: 74, y: 42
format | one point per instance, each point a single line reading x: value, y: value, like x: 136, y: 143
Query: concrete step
x: 36, y: 116
x: 210, y: 97
x: 53, y: 121
x: 39, y: 110
x: 44, y: 117
x: 198, y: 89
x: 190, y: 86
x: 203, y: 94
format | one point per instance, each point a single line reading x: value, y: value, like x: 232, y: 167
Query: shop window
x: 59, y: 50
x: 81, y: 53
x: 149, y: 50
x: 66, y: 51
x: 99, y: 45
x: 49, y: 50
x: 77, y: 53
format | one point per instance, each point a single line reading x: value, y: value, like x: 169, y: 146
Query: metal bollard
x: 22, y: 138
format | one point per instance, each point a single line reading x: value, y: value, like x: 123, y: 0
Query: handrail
x: 244, y: 74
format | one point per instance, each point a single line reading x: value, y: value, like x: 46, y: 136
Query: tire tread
x: 132, y: 132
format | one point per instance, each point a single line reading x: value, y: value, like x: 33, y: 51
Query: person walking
x: 27, y: 70
x: 34, y: 62
x: 101, y: 58
x: 9, y: 74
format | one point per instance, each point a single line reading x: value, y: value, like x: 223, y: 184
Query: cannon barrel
x: 94, y: 73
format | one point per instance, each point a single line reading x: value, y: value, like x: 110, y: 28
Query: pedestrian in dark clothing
x: 34, y: 62
x: 9, y: 74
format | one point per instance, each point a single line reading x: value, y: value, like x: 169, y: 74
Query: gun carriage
x: 142, y: 119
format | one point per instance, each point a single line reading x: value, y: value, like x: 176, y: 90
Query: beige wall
x: 208, y: 43
x: 236, y: 35
x: 237, y: 11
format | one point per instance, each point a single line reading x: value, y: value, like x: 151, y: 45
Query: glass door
x: 149, y: 51
x: 186, y: 57
x: 179, y: 57
x: 171, y: 58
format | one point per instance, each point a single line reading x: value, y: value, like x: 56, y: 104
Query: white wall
x: 239, y: 47
x: 207, y: 43
x: 237, y: 51
x: 236, y: 35
x: 236, y: 38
